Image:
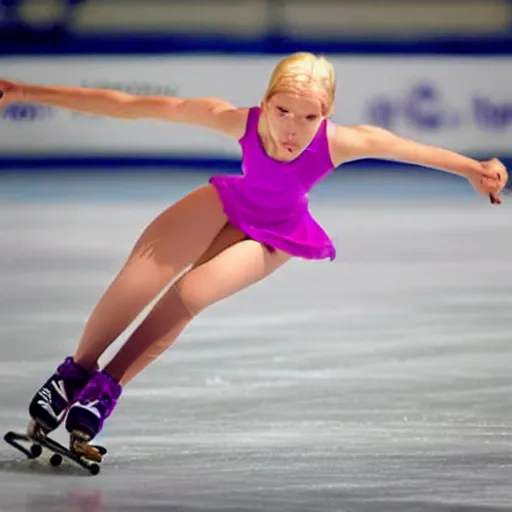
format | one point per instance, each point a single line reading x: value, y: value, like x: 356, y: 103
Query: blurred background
x: 437, y: 71
x: 376, y: 382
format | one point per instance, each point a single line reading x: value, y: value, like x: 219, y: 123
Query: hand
x: 491, y: 180
x: 10, y: 92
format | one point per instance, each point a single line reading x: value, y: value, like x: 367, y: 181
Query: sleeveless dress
x: 269, y: 202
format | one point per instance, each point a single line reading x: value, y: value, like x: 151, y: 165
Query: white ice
x: 381, y: 381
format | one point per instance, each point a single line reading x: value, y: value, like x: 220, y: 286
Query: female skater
x: 230, y: 233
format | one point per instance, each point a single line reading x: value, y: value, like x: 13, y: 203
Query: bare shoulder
x: 232, y: 120
x: 349, y: 142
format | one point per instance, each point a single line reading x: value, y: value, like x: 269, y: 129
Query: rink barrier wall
x: 463, y: 103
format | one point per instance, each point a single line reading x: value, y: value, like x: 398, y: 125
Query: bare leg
x: 241, y: 264
x: 172, y: 242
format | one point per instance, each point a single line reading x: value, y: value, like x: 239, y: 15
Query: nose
x: 291, y: 129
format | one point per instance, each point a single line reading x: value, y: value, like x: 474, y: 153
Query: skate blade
x: 24, y: 444
x: 35, y: 446
x: 36, y: 430
x: 87, y: 451
x: 79, y: 444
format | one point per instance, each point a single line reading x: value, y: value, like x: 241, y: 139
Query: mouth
x: 289, y: 146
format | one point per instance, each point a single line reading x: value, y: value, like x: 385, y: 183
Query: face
x: 293, y: 120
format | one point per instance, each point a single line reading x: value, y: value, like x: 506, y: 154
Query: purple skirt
x: 290, y: 229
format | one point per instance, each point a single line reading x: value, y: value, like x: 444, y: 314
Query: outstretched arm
x: 352, y: 143
x: 211, y: 113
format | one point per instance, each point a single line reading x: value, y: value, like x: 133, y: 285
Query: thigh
x: 228, y: 236
x: 183, y: 232
x: 235, y: 268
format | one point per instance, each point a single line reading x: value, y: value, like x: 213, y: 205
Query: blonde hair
x: 304, y: 72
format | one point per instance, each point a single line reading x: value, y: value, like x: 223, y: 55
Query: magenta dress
x: 269, y: 200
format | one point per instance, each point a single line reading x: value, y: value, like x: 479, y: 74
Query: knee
x: 189, y: 296
x: 139, y: 273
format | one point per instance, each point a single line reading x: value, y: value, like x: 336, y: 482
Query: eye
x: 312, y: 117
x: 282, y: 110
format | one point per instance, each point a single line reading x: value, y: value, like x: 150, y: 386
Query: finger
x: 490, y: 185
x: 494, y: 198
x: 494, y: 162
x: 489, y: 174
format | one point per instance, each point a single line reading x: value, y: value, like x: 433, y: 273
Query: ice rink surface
x: 379, y: 382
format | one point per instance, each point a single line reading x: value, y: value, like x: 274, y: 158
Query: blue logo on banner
x: 26, y: 112
x: 424, y: 109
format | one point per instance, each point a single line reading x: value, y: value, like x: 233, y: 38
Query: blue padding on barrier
x: 171, y: 163
x: 104, y: 163
x: 57, y: 42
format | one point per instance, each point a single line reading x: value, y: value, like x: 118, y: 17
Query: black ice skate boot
x: 51, y: 403
x: 92, y: 407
